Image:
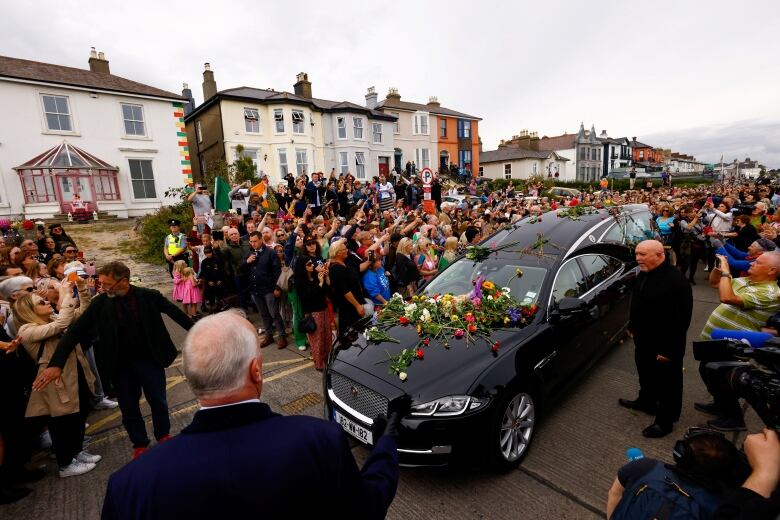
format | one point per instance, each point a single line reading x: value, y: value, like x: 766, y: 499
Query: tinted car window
x: 630, y: 229
x: 599, y: 267
x: 570, y: 282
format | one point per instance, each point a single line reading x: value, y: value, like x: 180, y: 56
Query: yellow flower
x: 506, y: 321
x: 488, y: 285
x: 454, y: 317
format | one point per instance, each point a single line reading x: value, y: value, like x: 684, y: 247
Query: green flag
x: 221, y: 194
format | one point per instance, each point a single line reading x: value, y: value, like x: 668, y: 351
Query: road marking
x: 287, y: 372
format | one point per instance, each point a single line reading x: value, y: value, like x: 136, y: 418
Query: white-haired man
x: 238, y: 459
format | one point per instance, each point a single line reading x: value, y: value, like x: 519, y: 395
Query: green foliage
x: 244, y: 168
x: 154, y: 228
x: 618, y: 184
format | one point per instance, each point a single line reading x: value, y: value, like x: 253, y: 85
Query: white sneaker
x: 76, y: 468
x: 87, y: 457
x: 105, y: 404
x: 44, y: 440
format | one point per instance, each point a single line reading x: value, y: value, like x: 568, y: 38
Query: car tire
x: 512, y: 428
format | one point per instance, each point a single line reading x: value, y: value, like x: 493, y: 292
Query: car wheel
x: 513, y: 428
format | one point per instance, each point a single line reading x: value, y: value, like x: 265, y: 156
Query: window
x: 570, y: 282
x: 252, y: 120
x: 342, y: 124
x: 534, y: 168
x: 57, y: 113
x: 297, y: 120
x: 38, y: 187
x: 301, y: 162
x: 360, y: 162
x: 142, y: 178
x: 583, y: 153
x: 464, y: 129
x: 641, y: 155
x: 630, y: 230
x: 507, y: 171
x: 421, y: 124
x: 134, y: 119
x: 599, y: 267
x: 481, y: 171
x: 442, y: 128
x: 464, y: 158
x: 202, y: 165
x: 199, y: 132
x: 251, y: 153
x: 396, y: 126
x: 283, y: 162
x: 422, y: 158
x: 357, y: 122
x: 279, y: 119
x: 582, y: 173
x: 344, y: 162
x: 106, y: 187
x: 377, y: 127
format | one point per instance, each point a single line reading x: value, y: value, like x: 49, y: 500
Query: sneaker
x: 105, y: 404
x: 137, y: 452
x: 727, y: 424
x: 44, y: 440
x: 87, y: 457
x: 281, y: 342
x: 302, y: 347
x: 76, y: 468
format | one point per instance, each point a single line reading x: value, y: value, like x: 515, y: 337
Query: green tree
x: 244, y: 168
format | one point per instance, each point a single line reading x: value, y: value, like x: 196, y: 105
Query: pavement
x: 579, y: 444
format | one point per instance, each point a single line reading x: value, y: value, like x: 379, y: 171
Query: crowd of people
x: 314, y: 255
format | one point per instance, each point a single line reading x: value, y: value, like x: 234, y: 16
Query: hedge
x: 618, y: 184
x: 154, y: 228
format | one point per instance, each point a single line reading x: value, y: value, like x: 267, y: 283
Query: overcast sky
x: 700, y: 77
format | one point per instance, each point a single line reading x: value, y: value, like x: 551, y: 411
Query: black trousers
x: 67, y: 431
x: 660, y: 383
x: 131, y: 379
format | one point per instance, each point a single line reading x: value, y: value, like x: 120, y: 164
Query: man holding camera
x: 201, y: 202
x: 745, y: 304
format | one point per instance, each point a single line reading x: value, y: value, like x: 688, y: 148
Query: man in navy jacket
x: 238, y: 459
x: 264, y: 269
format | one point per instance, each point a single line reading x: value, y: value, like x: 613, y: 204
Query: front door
x: 75, y: 191
x: 384, y: 166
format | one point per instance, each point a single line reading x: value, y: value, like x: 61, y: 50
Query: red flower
x: 420, y: 353
x: 529, y: 311
x: 403, y: 320
x: 426, y: 342
x: 459, y: 333
x: 472, y: 328
x: 495, y: 346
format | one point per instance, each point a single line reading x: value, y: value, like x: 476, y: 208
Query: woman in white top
x: 385, y: 194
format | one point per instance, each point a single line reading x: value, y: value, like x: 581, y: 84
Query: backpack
x: 662, y: 494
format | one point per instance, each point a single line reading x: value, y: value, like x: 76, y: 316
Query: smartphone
x: 73, y: 277
x: 80, y: 255
x: 709, y: 200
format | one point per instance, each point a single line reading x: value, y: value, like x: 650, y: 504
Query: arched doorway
x: 398, y: 157
x: 444, y: 161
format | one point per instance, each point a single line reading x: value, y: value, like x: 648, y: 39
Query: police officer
x: 175, y: 247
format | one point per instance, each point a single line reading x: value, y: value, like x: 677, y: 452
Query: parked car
x: 467, y: 401
x: 559, y: 193
x: 454, y: 199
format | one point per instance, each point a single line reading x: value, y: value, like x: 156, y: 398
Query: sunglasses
x: 309, y: 264
x: 28, y: 289
x: 71, y: 250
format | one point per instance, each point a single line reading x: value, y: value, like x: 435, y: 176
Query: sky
x: 700, y: 77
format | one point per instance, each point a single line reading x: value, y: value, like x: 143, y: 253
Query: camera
x: 742, y: 209
x: 751, y: 373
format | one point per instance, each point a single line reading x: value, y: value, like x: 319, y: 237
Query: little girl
x: 191, y: 295
x: 178, y: 281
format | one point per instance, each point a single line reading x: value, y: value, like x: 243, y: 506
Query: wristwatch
x: 726, y: 275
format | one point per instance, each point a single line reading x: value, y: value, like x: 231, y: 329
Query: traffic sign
x: 426, y: 174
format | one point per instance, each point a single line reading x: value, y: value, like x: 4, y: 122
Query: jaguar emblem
x: 354, y: 391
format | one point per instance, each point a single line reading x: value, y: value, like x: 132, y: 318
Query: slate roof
x: 558, y: 142
x: 390, y: 103
x: 50, y: 73
x: 513, y: 154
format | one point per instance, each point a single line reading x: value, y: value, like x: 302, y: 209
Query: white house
x: 115, y: 143
x: 521, y: 163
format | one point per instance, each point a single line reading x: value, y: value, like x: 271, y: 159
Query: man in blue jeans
x: 264, y: 269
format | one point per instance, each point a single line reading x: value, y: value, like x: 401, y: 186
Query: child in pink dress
x: 191, y: 295
x: 178, y: 283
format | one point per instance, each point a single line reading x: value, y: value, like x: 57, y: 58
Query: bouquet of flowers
x: 28, y: 225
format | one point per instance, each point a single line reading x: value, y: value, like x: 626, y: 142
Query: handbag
x: 285, y: 277
x: 307, y: 324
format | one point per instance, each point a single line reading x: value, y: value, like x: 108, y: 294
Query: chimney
x: 480, y: 145
x: 98, y: 62
x: 534, y: 142
x: 433, y: 101
x: 209, y: 85
x: 502, y: 144
x: 302, y: 86
x: 392, y: 93
x: 371, y: 98
x: 633, y: 140
x: 524, y: 140
x: 603, y: 133
x: 189, y: 106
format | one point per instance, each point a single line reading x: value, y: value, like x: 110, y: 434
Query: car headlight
x: 447, y: 406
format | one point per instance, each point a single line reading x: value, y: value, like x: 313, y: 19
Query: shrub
x: 154, y: 228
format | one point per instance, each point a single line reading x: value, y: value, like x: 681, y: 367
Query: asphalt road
x: 579, y: 444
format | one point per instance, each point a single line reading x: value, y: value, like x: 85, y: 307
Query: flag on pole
x: 221, y: 194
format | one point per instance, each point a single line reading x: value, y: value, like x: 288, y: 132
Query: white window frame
x: 357, y: 128
x: 254, y: 153
x: 396, y: 123
x: 199, y: 130
x: 466, y: 129
x: 344, y: 162
x: 299, y: 126
x: 341, y: 128
x: 422, y: 158
x: 69, y: 114
x: 284, y: 169
x: 508, y: 170
x: 301, y: 167
x: 135, y: 122
x: 377, y: 132
x: 360, y: 165
x: 421, y: 124
x: 279, y: 119
x: 248, y: 122
x: 153, y: 179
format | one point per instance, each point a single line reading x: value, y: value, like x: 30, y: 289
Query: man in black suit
x: 133, y: 352
x: 661, y: 309
x: 238, y: 459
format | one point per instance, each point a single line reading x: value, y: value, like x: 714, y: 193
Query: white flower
x: 506, y: 290
x: 489, y: 297
x: 402, y: 376
x: 426, y: 315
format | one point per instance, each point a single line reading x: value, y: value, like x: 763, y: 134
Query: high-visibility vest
x: 175, y: 244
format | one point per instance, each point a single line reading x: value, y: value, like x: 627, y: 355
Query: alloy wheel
x: 517, y: 427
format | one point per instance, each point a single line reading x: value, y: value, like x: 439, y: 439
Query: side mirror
x: 568, y: 306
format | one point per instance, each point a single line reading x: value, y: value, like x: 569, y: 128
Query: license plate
x: 362, y: 434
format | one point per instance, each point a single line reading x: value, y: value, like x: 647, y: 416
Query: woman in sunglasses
x: 65, y: 404
x: 311, y: 284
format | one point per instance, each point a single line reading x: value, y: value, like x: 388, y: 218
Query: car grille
x: 358, y: 397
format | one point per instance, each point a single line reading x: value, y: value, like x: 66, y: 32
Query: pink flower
x: 459, y: 333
